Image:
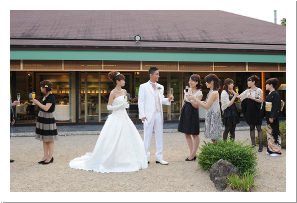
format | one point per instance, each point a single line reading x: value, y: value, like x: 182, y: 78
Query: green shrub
x: 240, y: 155
x: 282, y: 130
x: 244, y: 183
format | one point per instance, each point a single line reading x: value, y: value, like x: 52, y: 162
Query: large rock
x: 219, y: 172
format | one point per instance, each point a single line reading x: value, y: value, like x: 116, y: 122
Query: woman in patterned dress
x: 189, y: 118
x: 273, y: 107
x: 46, y: 129
x: 213, y: 123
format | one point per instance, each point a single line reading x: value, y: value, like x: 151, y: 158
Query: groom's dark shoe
x: 162, y: 162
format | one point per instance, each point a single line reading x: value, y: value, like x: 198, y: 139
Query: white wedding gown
x: 119, y: 147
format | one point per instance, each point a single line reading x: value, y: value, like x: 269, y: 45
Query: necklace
x: 194, y: 91
x: 118, y: 90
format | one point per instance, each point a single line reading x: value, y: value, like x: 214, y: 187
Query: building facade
x: 77, y: 49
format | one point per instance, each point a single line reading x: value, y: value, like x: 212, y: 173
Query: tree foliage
x: 283, y: 21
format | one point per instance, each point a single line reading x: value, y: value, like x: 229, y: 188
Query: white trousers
x: 156, y: 124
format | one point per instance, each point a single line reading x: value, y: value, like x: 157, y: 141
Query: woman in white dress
x: 119, y: 147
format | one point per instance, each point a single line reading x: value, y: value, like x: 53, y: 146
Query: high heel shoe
x: 51, y: 161
x: 187, y: 159
x: 260, y: 148
x: 40, y: 162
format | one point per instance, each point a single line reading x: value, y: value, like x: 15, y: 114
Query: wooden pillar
x: 86, y: 96
x: 72, y: 97
x: 13, y: 91
x: 99, y: 97
x: 168, y: 90
x: 263, y: 85
x: 77, y: 98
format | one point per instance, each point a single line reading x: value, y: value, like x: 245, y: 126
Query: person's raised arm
x: 235, y: 94
x: 194, y: 103
x: 45, y: 107
x: 213, y: 96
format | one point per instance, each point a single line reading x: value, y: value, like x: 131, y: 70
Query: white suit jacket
x: 146, y: 100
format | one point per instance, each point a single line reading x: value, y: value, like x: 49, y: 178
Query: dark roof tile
x: 156, y: 26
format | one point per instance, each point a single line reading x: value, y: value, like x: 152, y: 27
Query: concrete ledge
x: 69, y: 133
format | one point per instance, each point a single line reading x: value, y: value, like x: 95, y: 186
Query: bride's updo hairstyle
x: 114, y: 76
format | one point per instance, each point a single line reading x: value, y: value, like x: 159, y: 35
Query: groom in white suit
x: 150, y: 100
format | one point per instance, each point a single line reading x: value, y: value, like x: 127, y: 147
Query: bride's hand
x: 189, y: 97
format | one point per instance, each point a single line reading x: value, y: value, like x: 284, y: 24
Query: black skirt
x: 251, y: 112
x: 189, y: 120
x: 230, y: 116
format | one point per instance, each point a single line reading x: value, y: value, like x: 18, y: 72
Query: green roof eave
x: 144, y: 56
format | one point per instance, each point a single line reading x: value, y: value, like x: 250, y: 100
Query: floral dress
x: 213, y: 122
x: 272, y: 129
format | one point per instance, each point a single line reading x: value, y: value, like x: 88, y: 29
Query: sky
x: 266, y: 15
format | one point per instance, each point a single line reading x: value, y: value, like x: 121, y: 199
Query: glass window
x: 60, y: 89
x: 89, y: 97
x: 25, y: 112
x: 27, y: 82
x: 106, y: 86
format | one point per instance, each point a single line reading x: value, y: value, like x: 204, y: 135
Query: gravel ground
x: 178, y: 176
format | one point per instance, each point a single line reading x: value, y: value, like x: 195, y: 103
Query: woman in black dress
x: 46, y: 129
x: 251, y: 104
x: 189, y: 118
x: 273, y: 108
x: 230, y: 117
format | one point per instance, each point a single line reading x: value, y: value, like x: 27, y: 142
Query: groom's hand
x: 143, y: 119
x: 170, y: 98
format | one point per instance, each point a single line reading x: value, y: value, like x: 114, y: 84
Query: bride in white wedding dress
x: 119, y: 147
